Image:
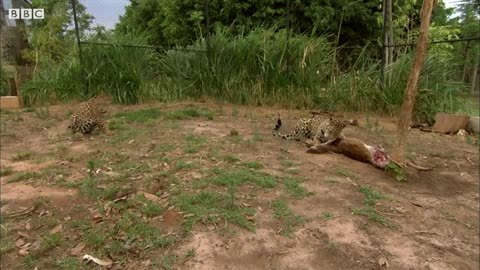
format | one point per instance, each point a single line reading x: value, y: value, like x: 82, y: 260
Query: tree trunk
x: 398, y: 153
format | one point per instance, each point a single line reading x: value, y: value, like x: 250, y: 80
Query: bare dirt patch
x: 224, y: 194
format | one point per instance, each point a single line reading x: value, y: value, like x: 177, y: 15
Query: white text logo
x: 26, y: 13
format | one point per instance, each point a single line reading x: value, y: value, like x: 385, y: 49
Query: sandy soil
x: 435, y: 214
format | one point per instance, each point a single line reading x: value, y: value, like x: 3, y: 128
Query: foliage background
x: 328, y: 57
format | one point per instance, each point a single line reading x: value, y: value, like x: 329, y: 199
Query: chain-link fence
x: 107, y: 15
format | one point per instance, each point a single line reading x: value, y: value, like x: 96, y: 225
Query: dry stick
x: 411, y: 164
x: 325, y: 220
x: 322, y: 112
x: 389, y: 214
x: 420, y: 168
x: 469, y: 161
x: 17, y: 214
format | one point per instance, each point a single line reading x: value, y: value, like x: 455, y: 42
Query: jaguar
x: 89, y: 115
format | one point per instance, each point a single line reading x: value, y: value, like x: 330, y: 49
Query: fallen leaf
x: 90, y: 258
x: 57, y: 228
x: 77, y: 250
x: 28, y: 226
x: 20, y: 242
x: 23, y: 234
x: 43, y: 212
x: 132, y: 141
x: 23, y: 252
x: 417, y: 204
x: 150, y: 197
x: 97, y: 218
x: 383, y: 262
x: 251, y: 218
x: 123, y: 198
x: 36, y: 245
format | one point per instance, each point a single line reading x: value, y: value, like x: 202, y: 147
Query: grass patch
x: 190, y: 149
x: 23, y: 176
x: 372, y: 215
x: 6, y: 245
x: 294, y: 189
x: 68, y: 263
x: 149, y: 208
x: 22, y: 156
x: 47, y: 243
x: 371, y: 196
x: 164, y: 148
x: 193, y: 143
x: 287, y: 163
x: 289, y: 220
x: 101, y: 188
x: 166, y: 262
x: 234, y: 133
x: 6, y: 170
x: 117, y: 124
x: 96, y: 237
x: 253, y: 165
x: 136, y: 232
x: 238, y: 177
x: 327, y: 215
x: 181, y: 164
x: 140, y: 116
x: 213, y: 208
x: 189, y: 113
x: 331, y: 180
x: 344, y: 172
x: 230, y: 158
x: 194, y: 139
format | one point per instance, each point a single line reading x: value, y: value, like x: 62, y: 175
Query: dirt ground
x: 207, y: 186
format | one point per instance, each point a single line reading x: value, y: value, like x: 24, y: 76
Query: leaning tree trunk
x: 398, y: 154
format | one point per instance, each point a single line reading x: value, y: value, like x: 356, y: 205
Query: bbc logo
x: 26, y: 13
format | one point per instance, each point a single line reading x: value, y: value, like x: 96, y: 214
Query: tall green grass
x: 258, y: 68
x: 4, y: 84
x: 262, y: 67
x: 119, y: 71
x: 438, y: 90
x: 60, y: 81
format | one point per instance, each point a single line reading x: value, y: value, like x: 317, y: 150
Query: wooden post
x: 398, y: 153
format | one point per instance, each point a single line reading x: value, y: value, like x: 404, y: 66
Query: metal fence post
x: 384, y: 46
x: 207, y: 33
x: 289, y: 61
x: 77, y: 33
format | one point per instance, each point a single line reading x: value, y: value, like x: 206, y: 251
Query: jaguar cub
x: 312, y: 130
x: 89, y: 115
